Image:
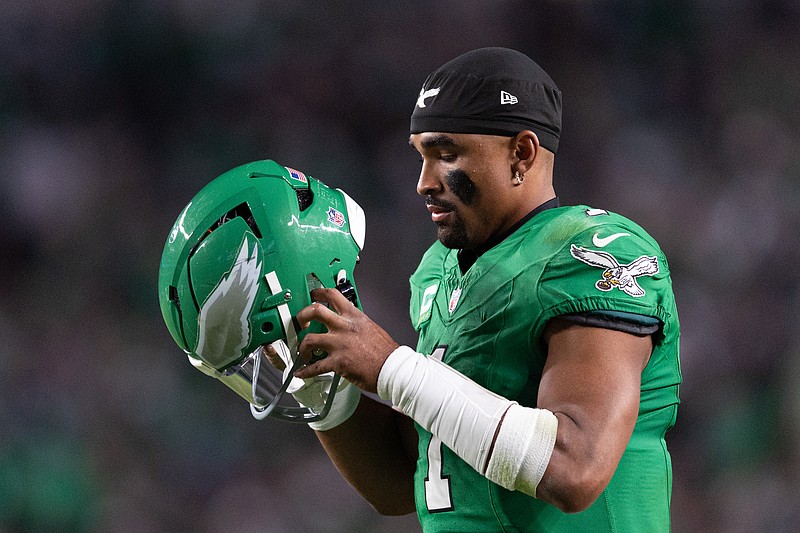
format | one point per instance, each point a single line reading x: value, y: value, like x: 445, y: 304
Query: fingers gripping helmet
x: 239, y: 264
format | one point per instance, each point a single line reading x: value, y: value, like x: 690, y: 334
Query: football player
x: 547, y: 368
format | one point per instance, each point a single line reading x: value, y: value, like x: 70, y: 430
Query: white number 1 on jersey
x: 438, y: 496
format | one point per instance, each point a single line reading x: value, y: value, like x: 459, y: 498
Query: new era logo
x: 507, y: 98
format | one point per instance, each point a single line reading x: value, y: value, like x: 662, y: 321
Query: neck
x: 466, y: 258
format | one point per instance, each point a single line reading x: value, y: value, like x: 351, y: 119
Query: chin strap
x: 344, y: 286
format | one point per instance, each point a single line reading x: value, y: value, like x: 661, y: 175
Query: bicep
x: 591, y: 381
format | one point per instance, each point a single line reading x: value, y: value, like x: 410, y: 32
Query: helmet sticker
x: 229, y: 306
x: 296, y: 174
x: 336, y: 217
x: 614, y: 274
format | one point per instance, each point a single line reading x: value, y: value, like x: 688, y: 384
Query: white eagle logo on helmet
x: 616, y: 275
x: 224, y: 327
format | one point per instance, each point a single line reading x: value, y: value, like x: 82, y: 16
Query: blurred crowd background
x: 682, y: 115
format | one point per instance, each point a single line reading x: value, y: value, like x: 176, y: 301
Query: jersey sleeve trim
x: 594, y: 304
x: 633, y: 323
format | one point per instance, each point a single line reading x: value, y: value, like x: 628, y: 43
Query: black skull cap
x: 492, y: 91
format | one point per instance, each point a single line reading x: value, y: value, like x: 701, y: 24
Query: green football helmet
x: 240, y: 262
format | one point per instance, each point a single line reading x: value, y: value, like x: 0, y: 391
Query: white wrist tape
x: 343, y: 406
x: 460, y: 412
x: 465, y: 416
x: 523, y: 448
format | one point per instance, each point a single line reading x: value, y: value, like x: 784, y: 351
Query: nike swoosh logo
x: 602, y: 242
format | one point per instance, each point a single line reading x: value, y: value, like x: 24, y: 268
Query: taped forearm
x: 444, y: 402
x: 523, y: 448
x: 465, y: 416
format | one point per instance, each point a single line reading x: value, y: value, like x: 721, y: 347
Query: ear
x: 526, y: 148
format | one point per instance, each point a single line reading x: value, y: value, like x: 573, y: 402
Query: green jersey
x: 488, y: 324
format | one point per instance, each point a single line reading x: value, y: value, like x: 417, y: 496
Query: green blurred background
x: 681, y: 115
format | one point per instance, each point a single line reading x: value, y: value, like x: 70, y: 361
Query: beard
x: 453, y: 236
x: 453, y: 233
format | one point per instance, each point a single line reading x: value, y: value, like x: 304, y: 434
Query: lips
x: 438, y: 213
x: 439, y: 209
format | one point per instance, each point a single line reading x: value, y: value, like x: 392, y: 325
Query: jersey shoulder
x: 601, y: 261
x: 589, y: 226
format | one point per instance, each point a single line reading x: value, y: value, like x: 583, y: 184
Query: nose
x: 428, y: 182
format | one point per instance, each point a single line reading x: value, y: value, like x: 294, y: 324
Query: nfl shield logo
x: 335, y: 217
x: 454, y: 297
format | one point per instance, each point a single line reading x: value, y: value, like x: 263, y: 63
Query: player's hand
x: 311, y: 393
x: 356, y: 346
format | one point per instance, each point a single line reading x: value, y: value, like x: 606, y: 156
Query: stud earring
x: 519, y: 179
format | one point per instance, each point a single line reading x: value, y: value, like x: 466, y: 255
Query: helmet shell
x: 254, y: 239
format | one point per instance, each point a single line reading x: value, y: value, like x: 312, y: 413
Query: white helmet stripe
x: 283, y: 310
x: 357, y: 220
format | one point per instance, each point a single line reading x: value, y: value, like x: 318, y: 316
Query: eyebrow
x: 438, y: 141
